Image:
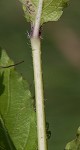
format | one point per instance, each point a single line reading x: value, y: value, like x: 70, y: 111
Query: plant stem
x: 39, y: 94
x: 38, y: 19
x: 41, y: 129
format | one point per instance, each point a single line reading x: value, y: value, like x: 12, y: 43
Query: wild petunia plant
x: 20, y: 129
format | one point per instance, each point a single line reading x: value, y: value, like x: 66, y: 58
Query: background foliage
x: 61, y: 64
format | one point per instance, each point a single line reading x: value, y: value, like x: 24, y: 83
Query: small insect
x: 32, y: 29
x: 12, y: 65
x: 29, y: 6
x: 48, y: 132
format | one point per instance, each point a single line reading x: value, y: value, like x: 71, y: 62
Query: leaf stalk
x: 38, y: 19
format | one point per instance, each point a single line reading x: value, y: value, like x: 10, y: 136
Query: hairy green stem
x: 39, y: 94
x: 41, y: 126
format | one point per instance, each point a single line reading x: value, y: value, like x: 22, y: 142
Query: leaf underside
x: 18, y: 118
x: 52, y: 9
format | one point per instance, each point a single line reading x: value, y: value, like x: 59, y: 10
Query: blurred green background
x: 61, y: 64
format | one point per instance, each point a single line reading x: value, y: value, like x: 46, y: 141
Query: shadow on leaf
x: 5, y: 140
x: 2, y: 86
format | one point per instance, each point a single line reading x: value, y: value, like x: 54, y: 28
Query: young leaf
x: 52, y: 9
x: 16, y: 107
x: 75, y: 144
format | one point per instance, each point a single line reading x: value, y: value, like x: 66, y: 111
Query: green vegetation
x: 61, y: 85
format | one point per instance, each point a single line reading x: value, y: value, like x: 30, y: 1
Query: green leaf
x: 16, y: 107
x: 5, y: 140
x: 52, y: 9
x: 75, y: 144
